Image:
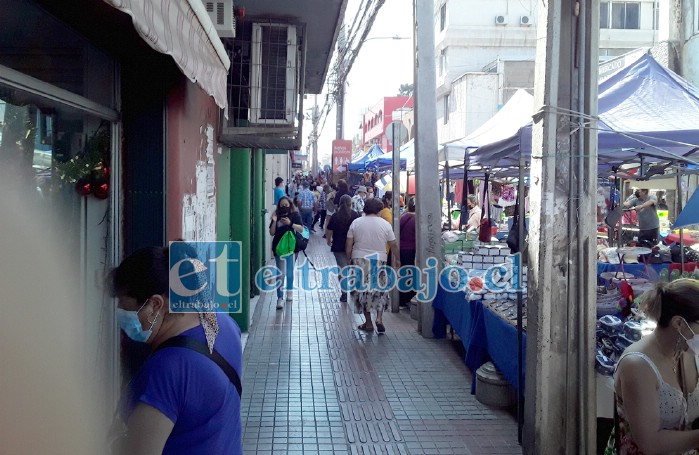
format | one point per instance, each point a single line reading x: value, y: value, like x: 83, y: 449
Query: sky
x: 380, y: 68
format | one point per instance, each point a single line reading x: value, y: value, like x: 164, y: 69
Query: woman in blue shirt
x: 181, y: 401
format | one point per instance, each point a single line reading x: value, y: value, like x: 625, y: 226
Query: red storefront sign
x: 341, y: 155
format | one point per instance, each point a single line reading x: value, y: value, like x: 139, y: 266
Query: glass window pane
x: 442, y: 17
x: 633, y: 16
x: 604, y: 15
x: 618, y: 15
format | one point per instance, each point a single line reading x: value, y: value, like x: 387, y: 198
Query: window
x: 656, y: 15
x: 442, y: 62
x: 446, y: 109
x: 620, y: 15
x: 443, y: 17
x: 696, y: 16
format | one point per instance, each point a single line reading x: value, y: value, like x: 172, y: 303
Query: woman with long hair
x: 656, y: 382
x: 342, y: 189
x: 284, y: 219
x: 336, y: 233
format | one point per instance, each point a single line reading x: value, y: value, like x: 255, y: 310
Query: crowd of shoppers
x: 357, y: 226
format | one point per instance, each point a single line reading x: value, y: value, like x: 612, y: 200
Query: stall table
x: 634, y: 269
x: 487, y: 336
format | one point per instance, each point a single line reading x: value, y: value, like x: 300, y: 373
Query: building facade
x: 481, y: 41
x: 378, y: 117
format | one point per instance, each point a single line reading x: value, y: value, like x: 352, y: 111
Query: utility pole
x: 316, y: 118
x: 340, y: 110
x: 428, y: 211
x: 560, y: 395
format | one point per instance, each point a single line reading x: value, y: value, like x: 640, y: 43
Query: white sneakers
x: 280, y: 304
x: 289, y: 296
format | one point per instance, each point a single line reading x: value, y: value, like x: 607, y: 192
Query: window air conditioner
x: 274, y: 75
x: 525, y: 20
x: 222, y: 15
x: 500, y: 20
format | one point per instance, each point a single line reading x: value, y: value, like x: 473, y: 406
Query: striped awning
x: 183, y: 30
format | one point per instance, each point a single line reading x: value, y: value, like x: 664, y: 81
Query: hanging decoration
x: 89, y: 170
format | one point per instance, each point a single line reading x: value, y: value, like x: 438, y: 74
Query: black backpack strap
x: 202, y: 348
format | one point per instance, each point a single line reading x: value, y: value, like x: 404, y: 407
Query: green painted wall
x: 223, y: 197
x: 240, y: 173
x: 258, y: 206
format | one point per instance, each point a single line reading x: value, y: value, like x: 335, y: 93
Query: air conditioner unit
x: 525, y: 20
x: 222, y: 15
x: 500, y: 20
x: 274, y: 75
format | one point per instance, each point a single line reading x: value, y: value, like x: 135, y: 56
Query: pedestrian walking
x: 321, y: 209
x: 168, y: 408
x: 307, y: 204
x: 278, y: 189
x: 407, y: 246
x: 330, y: 206
x: 359, y: 199
x: 336, y: 234
x: 366, y: 239
x: 342, y: 189
x: 284, y: 219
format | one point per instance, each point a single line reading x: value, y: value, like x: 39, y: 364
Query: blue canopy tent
x: 690, y: 214
x: 407, y: 158
x: 359, y: 164
x: 644, y: 109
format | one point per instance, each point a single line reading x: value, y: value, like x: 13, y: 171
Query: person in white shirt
x: 367, y: 237
x: 474, y: 213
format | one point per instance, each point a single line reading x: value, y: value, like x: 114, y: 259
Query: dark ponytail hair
x: 678, y: 298
x: 143, y: 274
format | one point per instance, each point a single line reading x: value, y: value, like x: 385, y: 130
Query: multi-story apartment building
x: 485, y: 52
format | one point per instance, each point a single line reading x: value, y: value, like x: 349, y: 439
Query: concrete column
x: 560, y: 412
x: 429, y: 219
x: 240, y: 212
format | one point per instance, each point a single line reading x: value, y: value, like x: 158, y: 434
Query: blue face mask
x: 131, y: 325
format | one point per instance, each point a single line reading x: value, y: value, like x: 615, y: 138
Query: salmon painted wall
x: 192, y: 151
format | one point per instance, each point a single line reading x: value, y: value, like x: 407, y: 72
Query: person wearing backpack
x: 285, y: 220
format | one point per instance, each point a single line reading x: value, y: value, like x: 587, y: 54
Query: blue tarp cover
x: 407, y: 158
x: 642, y: 106
x: 359, y: 164
x: 690, y: 213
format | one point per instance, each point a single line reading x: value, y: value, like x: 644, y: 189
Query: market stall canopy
x: 407, y: 158
x: 644, y: 108
x: 690, y: 214
x: 515, y: 114
x: 359, y: 164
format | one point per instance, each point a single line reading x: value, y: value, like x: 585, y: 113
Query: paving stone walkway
x: 314, y: 384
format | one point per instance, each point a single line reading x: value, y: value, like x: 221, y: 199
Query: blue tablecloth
x: 502, y: 345
x: 484, y: 334
x: 634, y: 269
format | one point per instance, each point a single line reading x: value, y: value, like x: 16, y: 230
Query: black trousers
x: 407, y: 257
x: 320, y: 215
x: 648, y: 236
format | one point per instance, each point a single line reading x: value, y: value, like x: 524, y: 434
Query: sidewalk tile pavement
x: 315, y: 384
